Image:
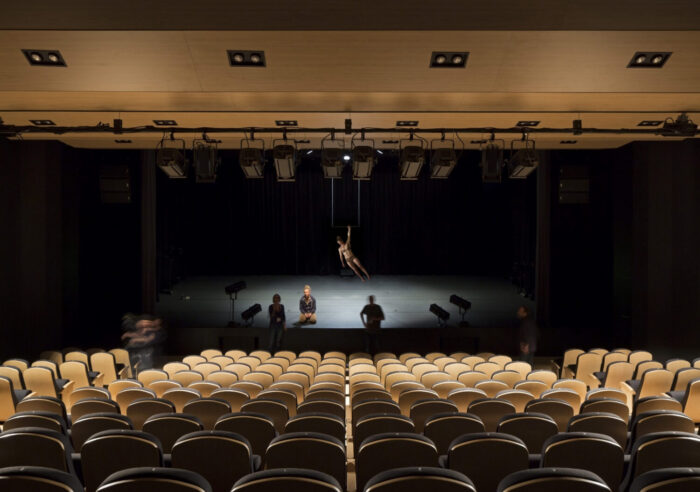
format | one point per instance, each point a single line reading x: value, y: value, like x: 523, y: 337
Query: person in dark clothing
x: 278, y: 323
x: 307, y: 307
x: 372, y: 317
x: 143, y: 336
x: 527, y: 335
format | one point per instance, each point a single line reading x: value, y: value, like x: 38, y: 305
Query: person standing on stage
x: 374, y: 317
x: 307, y: 307
x: 346, y: 256
x: 527, y: 335
x: 278, y: 324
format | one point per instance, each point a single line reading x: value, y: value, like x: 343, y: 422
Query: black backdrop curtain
x: 243, y: 226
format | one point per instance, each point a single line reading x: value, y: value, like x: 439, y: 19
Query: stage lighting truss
x: 492, y: 160
x: 205, y: 156
x: 363, y: 158
x: 171, y: 157
x: 284, y: 154
x: 252, y: 158
x: 411, y: 158
x: 332, y: 157
x: 443, y: 158
x: 523, y: 160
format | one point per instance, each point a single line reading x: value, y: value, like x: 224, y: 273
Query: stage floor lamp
x: 463, y: 306
x: 232, y: 291
x: 442, y: 315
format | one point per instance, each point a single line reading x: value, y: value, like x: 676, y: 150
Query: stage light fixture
x: 42, y: 122
x: 448, y: 59
x: 171, y: 157
x: 332, y: 157
x: 523, y: 161
x: 650, y: 123
x: 442, y: 315
x: 284, y: 157
x: 649, y: 59
x: 527, y: 123
x: 577, y: 126
x: 411, y: 161
x: 491, y: 162
x: 682, y: 126
x: 165, y: 122
x: 246, y: 58
x: 235, y: 288
x: 463, y: 306
x: 286, y: 122
x: 405, y: 123
x: 363, y: 160
x: 443, y: 159
x: 249, y: 314
x: 46, y: 58
x: 252, y: 158
x: 205, y: 154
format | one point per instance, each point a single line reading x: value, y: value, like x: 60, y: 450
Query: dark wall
x: 240, y: 226
x: 70, y: 265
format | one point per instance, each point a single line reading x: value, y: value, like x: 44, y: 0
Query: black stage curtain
x: 241, y: 226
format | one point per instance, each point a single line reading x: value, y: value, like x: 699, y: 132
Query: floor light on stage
x: 252, y: 158
x: 284, y: 156
x: 442, y: 315
x: 411, y: 161
x: 171, y: 158
x: 249, y: 314
x: 232, y: 292
x: 523, y: 161
x: 443, y: 159
x: 463, y: 306
x: 205, y: 155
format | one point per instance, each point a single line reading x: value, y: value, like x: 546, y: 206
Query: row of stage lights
x: 362, y: 156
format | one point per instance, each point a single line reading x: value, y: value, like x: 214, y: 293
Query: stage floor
x: 201, y: 301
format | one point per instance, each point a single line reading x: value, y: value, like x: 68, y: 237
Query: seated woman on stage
x: 278, y: 323
x: 307, y: 307
x: 346, y: 256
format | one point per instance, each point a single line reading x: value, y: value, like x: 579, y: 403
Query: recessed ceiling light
x: 46, y: 58
x: 407, y: 123
x: 528, y: 123
x: 165, y: 122
x: 246, y: 58
x: 448, y: 59
x: 286, y: 123
x: 650, y: 123
x: 649, y: 59
x: 124, y: 141
x: 42, y: 122
x: 568, y: 142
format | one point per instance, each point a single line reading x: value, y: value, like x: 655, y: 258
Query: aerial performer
x: 347, y: 256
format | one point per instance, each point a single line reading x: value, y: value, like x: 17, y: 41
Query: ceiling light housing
x: 449, y: 59
x: 491, y: 162
x: 443, y: 159
x: 42, y: 122
x: 412, y: 158
x: 286, y: 123
x: 405, y: 123
x: 363, y: 160
x: 45, y: 58
x: 252, y: 158
x: 650, y: 123
x: 171, y: 157
x: 649, y: 59
x: 523, y: 161
x: 205, y: 155
x: 332, y: 158
x: 284, y: 157
x: 682, y: 126
x: 568, y: 142
x: 122, y: 141
x: 527, y: 123
x: 165, y: 122
x: 246, y: 58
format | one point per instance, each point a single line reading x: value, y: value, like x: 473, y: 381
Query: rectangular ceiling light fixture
x: 568, y: 142
x: 122, y: 141
x: 45, y: 58
x: 528, y: 123
x: 246, y: 58
x: 649, y: 59
x: 407, y: 123
x: 42, y: 122
x: 650, y: 123
x: 286, y: 123
x: 449, y: 59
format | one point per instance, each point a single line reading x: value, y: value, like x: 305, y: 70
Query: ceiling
x: 132, y: 67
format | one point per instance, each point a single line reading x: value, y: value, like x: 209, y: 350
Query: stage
x: 197, y: 312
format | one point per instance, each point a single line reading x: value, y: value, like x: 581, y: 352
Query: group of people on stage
x: 371, y: 316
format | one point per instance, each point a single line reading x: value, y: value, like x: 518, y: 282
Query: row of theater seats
x: 407, y: 386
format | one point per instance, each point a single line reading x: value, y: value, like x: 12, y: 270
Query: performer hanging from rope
x: 346, y: 256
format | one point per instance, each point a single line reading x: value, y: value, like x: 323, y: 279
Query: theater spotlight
x: 363, y: 159
x: 411, y: 160
x: 232, y: 291
x: 463, y: 306
x: 284, y: 155
x: 252, y: 158
x: 205, y: 155
x: 442, y: 315
x: 249, y: 314
x: 492, y: 161
x: 443, y: 158
x: 332, y: 157
x: 522, y: 161
x: 171, y: 158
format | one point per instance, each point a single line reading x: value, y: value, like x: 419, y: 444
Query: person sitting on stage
x: 278, y: 323
x: 375, y: 316
x: 307, y: 307
x: 346, y: 256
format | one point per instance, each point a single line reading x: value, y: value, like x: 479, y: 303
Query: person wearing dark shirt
x: 278, y: 323
x: 307, y: 307
x: 372, y: 317
x: 527, y: 335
